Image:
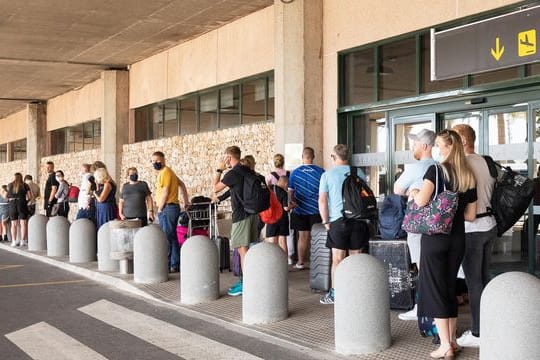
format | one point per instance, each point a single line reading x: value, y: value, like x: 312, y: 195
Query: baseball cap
x: 425, y: 136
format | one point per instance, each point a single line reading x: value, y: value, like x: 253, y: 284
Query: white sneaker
x: 24, y: 243
x: 409, y: 315
x: 13, y: 243
x: 467, y: 339
x: 299, y: 266
x: 289, y: 261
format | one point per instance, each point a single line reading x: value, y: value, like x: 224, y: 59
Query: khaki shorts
x: 244, y: 231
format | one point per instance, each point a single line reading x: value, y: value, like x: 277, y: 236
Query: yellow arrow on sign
x: 498, y: 51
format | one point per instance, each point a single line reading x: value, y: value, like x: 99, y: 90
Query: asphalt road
x: 48, y: 313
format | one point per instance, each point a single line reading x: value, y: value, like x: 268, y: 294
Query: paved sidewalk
x: 310, y: 324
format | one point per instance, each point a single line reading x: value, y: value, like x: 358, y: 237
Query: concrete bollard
x: 150, y: 248
x: 199, y: 271
x: 57, y: 236
x: 37, y: 232
x: 105, y: 263
x: 361, y: 306
x: 510, y: 317
x: 82, y: 241
x: 265, y: 297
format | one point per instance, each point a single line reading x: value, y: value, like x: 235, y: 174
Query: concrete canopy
x: 52, y: 46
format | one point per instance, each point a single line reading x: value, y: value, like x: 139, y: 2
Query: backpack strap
x: 288, y: 173
x: 353, y: 171
x: 275, y: 174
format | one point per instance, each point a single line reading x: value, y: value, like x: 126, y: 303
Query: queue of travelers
x: 308, y: 195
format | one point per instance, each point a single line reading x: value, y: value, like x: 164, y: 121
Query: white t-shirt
x: 83, y: 196
x: 484, y: 190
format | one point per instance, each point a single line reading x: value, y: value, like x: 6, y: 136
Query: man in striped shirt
x: 304, y: 197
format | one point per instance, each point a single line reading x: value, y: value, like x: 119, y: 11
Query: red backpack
x: 274, y: 212
x: 73, y: 193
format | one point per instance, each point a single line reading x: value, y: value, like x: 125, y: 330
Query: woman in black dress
x: 442, y: 254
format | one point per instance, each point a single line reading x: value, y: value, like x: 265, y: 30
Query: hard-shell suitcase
x: 222, y: 242
x: 320, y: 260
x: 395, y: 256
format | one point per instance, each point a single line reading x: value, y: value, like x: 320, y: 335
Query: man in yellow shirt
x: 168, y: 208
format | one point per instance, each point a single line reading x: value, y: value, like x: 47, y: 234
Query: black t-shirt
x: 51, y: 181
x: 281, y: 195
x: 235, y: 181
x: 134, y: 196
x: 19, y: 195
x: 469, y: 196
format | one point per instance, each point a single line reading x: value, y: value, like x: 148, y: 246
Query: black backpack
x: 511, y: 196
x: 391, y: 216
x: 359, y: 203
x: 256, y: 195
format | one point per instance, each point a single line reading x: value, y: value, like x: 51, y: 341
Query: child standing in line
x: 278, y: 232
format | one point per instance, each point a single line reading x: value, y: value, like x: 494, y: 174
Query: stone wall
x: 194, y: 157
x: 7, y: 170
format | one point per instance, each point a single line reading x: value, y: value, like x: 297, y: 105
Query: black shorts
x: 18, y: 209
x: 304, y: 222
x: 348, y: 235
x: 281, y: 228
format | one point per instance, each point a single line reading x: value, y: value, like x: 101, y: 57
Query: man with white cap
x: 412, y: 178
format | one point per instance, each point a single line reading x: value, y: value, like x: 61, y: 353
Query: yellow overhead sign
x: 527, y: 43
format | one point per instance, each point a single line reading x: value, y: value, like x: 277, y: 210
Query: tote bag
x: 436, y: 217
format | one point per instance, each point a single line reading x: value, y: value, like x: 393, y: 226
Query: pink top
x: 271, y: 179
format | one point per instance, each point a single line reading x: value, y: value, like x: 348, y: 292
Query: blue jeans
x: 168, y: 219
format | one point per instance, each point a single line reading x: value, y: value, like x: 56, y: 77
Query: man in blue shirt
x: 343, y: 235
x: 412, y: 178
x: 303, y: 197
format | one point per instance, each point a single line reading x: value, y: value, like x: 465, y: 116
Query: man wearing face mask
x: 412, y: 178
x: 168, y: 209
x: 135, y: 199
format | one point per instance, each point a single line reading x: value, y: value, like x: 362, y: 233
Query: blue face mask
x: 157, y: 165
x: 134, y: 177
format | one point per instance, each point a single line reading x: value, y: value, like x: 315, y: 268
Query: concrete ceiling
x: 49, y: 47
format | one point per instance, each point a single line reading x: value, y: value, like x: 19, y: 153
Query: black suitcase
x: 320, y: 260
x: 395, y: 256
x: 224, y: 250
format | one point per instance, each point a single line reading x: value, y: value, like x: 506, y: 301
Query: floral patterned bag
x: 435, y: 217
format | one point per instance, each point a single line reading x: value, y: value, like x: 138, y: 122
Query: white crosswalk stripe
x: 168, y: 337
x: 42, y: 341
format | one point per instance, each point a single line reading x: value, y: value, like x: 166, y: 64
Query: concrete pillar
x: 114, y: 122
x: 105, y: 263
x: 265, y: 297
x: 82, y: 241
x: 150, y: 249
x: 510, y: 317
x: 199, y: 271
x: 58, y: 236
x: 36, y: 139
x: 298, y: 73
x: 37, y: 231
x: 122, y: 236
x: 361, y: 306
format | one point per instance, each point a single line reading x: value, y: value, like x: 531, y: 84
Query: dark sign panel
x: 487, y: 45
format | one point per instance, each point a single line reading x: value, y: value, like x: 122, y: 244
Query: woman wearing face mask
x: 18, y: 194
x: 135, y: 199
x: 61, y: 194
x: 104, y: 196
x: 441, y: 254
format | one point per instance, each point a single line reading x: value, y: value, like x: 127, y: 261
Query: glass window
x: 439, y: 85
x: 97, y: 134
x: 358, y: 78
x: 142, y: 124
x: 270, y: 105
x: 91, y: 134
x: 18, y: 149
x: 188, y: 115
x: 403, y: 144
x: 253, y: 101
x: 75, y: 138
x: 3, y: 153
x: 170, y: 118
x: 470, y: 118
x: 208, y: 111
x: 494, y: 76
x: 533, y: 69
x: 58, y: 141
x: 156, y: 116
x: 397, y: 69
x: 369, y: 149
x: 229, y: 106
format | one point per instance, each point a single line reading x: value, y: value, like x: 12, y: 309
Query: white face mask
x: 436, y: 154
x: 59, y: 179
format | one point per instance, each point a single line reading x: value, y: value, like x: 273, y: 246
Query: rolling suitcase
x: 320, y: 260
x: 222, y: 242
x: 395, y: 256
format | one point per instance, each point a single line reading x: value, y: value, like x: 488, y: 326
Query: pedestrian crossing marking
x: 42, y: 341
x: 171, y: 338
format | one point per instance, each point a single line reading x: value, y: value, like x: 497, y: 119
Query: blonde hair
x: 457, y: 171
x: 101, y: 175
x: 248, y: 161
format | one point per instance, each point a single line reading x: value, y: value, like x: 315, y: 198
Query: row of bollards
x: 510, y: 303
